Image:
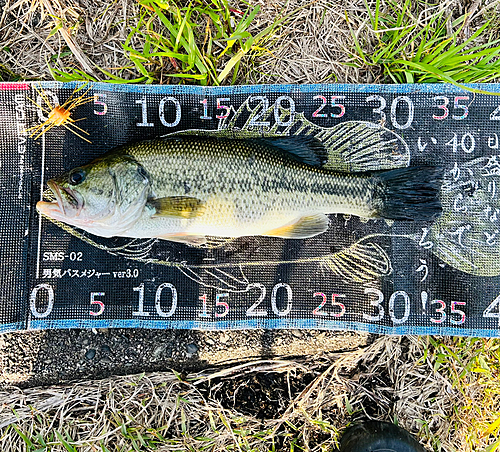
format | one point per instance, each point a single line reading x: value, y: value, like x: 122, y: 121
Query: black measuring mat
x: 436, y: 276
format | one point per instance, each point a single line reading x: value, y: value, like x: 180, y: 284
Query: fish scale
x: 186, y: 187
x: 287, y: 181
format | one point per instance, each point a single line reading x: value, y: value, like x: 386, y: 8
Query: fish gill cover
x: 438, y: 276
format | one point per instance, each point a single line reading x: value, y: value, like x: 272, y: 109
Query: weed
x: 6, y: 75
x: 409, y: 50
x: 203, y: 42
x: 472, y: 368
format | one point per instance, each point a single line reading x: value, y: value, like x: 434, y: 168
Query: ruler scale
x: 439, y: 277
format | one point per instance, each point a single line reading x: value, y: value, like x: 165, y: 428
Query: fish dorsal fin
x: 359, y: 146
x: 305, y: 149
x: 177, y: 206
x: 303, y: 228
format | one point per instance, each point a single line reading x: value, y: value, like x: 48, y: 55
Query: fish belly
x: 246, y: 215
x: 218, y: 220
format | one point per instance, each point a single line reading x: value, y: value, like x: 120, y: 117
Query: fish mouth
x: 67, y: 203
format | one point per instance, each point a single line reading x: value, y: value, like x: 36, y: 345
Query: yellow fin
x: 302, y: 228
x: 177, y: 206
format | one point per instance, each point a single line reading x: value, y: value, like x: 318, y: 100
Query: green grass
x: 203, y: 42
x: 409, y: 49
x: 472, y: 366
x: 6, y: 75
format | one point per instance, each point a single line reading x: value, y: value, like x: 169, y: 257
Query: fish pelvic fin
x: 408, y: 193
x: 177, y: 206
x: 303, y: 228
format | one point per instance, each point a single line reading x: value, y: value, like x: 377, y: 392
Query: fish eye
x: 76, y: 177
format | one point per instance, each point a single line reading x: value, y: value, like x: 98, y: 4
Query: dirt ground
x: 55, y: 356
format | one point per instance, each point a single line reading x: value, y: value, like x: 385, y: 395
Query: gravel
x: 36, y: 358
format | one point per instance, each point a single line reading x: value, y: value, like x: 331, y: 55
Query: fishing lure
x: 60, y: 115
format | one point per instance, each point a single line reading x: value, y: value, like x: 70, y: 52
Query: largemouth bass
x: 184, y: 188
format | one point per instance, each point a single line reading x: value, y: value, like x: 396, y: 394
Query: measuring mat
x: 389, y: 277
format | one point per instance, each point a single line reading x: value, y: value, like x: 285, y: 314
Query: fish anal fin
x: 303, y: 228
x: 177, y: 206
x: 188, y: 239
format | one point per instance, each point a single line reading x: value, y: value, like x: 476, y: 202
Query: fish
x: 185, y: 188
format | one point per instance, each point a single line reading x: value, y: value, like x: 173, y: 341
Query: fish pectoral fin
x: 177, y: 206
x: 192, y: 240
x: 303, y: 228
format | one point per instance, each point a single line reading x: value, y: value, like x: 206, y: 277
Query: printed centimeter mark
x: 14, y: 86
x: 400, y: 110
x: 397, y: 309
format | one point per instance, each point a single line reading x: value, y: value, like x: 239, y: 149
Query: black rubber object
x: 376, y: 436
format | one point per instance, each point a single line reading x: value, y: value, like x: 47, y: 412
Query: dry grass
x: 316, y: 44
x: 44, y: 33
x: 447, y: 393
x: 319, y: 45
x: 311, y: 48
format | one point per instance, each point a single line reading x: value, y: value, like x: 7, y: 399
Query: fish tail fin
x: 410, y: 193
